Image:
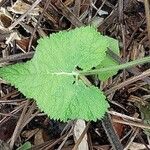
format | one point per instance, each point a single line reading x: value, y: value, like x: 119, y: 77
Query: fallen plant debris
x: 127, y: 91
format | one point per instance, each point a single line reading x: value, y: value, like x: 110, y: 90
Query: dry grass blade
x: 37, y: 24
x: 65, y: 139
x: 4, y: 146
x: 79, y: 128
x: 147, y: 12
x: 25, y: 118
x: 131, y: 123
x: 136, y: 145
x: 69, y: 14
x: 18, y: 126
x: 132, y: 138
x: 109, y: 19
x: 81, y: 137
x: 124, y: 116
x: 17, y: 57
x: 15, y: 111
x: 49, y: 145
x: 77, y: 8
x: 24, y: 15
x: 129, y: 81
x: 120, y: 10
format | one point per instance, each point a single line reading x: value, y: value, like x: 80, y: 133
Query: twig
x: 81, y: 137
x: 26, y: 116
x: 143, y: 141
x: 18, y: 126
x: 65, y: 139
x: 147, y: 12
x: 3, y: 2
x: 134, y: 32
x: 129, y: 81
x: 69, y: 14
x: 53, y: 144
x: 77, y: 8
x: 120, y: 11
x: 16, y: 57
x: 24, y: 15
x: 39, y: 20
x: 132, y: 138
x: 5, y: 119
x: 124, y: 116
x: 112, y: 136
x: 130, y: 123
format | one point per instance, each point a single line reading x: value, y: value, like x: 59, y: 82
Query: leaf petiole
x: 117, y: 67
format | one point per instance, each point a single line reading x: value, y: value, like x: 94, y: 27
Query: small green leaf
x: 49, y: 76
x: 108, y: 61
x: 145, y: 115
x: 25, y: 146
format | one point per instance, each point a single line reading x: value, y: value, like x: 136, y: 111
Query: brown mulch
x: 22, y: 24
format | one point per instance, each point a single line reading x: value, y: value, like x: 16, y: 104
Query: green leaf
x: 145, y: 114
x: 49, y: 77
x: 25, y: 146
x: 108, y: 61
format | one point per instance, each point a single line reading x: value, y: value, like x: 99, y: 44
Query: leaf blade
x: 108, y: 60
x: 55, y: 93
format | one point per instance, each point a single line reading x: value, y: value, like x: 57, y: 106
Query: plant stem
x: 117, y: 67
x: 111, y: 133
